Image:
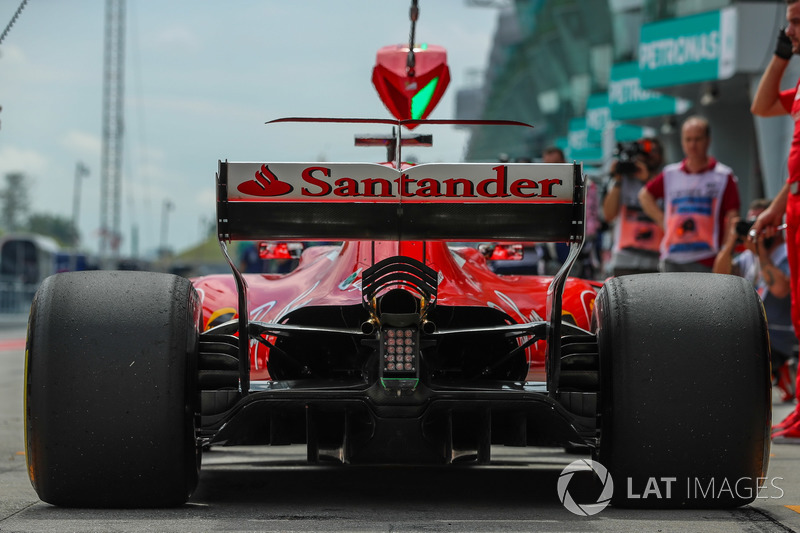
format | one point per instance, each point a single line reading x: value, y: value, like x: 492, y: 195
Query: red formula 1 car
x: 394, y: 347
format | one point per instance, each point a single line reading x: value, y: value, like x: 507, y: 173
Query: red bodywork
x: 331, y: 276
x: 317, y: 359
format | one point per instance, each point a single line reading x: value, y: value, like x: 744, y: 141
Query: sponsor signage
x: 598, y: 115
x: 373, y: 183
x: 631, y: 132
x: 580, y: 146
x: 690, y: 49
x: 598, y: 118
x: 628, y: 100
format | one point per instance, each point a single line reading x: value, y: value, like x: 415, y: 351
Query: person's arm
x: 611, y: 201
x: 776, y: 279
x: 772, y: 216
x: 723, y: 262
x: 650, y: 207
x: 730, y: 216
x: 766, y: 102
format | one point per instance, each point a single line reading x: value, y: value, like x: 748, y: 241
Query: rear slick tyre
x: 110, y: 390
x: 685, y: 378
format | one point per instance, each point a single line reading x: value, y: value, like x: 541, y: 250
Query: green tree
x: 14, y: 201
x: 58, y: 227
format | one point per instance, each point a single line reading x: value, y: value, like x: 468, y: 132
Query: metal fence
x: 16, y: 297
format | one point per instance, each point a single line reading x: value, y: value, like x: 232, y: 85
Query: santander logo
x: 432, y: 182
x: 266, y: 183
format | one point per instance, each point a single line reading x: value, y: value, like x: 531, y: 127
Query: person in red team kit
x: 700, y: 195
x: 770, y: 101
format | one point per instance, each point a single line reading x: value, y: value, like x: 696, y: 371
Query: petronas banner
x: 580, y: 148
x: 629, y: 100
x: 598, y: 115
x: 689, y: 49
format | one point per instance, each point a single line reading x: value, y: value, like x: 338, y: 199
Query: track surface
x: 263, y: 489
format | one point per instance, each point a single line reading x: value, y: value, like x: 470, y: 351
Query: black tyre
x: 111, y: 389
x: 685, y: 417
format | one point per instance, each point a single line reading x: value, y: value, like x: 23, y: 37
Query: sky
x: 201, y: 79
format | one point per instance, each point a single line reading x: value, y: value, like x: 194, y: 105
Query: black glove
x: 783, y: 48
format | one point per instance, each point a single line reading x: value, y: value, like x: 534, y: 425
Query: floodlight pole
x: 81, y: 171
x: 167, y: 207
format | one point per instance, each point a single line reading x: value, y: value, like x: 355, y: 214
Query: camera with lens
x: 627, y: 154
x: 743, y: 227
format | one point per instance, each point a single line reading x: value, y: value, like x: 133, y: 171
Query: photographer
x: 636, y: 236
x: 764, y: 262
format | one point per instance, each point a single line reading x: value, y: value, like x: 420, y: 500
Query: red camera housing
x: 411, y: 94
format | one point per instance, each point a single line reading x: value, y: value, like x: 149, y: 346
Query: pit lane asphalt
x: 255, y: 489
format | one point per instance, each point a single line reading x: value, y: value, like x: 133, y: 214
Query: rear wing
x: 533, y: 202
x: 367, y: 201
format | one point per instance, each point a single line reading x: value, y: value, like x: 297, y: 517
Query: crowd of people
x: 650, y: 217
x: 658, y: 218
x: 685, y: 217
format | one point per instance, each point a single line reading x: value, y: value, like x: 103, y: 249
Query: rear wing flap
x: 534, y: 202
